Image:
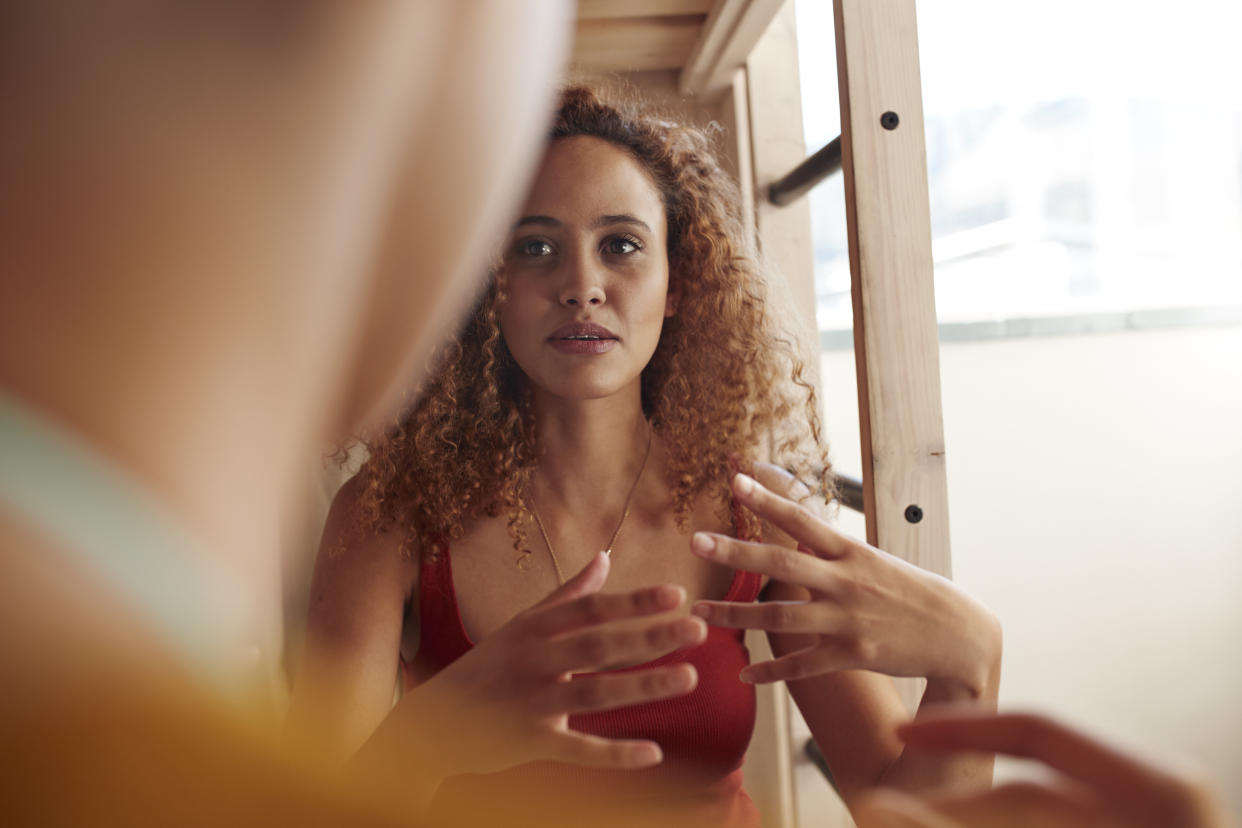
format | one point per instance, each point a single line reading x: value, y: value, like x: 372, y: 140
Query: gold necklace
x: 625, y: 512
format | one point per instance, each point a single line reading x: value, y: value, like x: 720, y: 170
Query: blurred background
x: 1085, y: 177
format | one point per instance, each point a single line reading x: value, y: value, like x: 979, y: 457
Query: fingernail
x: 685, y: 679
x: 746, y: 676
x: 649, y: 755
x: 744, y: 484
x: 702, y: 543
x: 701, y: 610
x: 700, y: 630
x: 670, y: 595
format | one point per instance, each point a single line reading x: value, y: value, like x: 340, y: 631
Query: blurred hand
x: 866, y: 609
x: 1099, y: 785
x: 508, y: 700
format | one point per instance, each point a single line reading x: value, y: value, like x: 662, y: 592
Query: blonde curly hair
x: 467, y: 448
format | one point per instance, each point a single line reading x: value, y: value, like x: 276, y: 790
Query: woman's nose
x: 582, y: 286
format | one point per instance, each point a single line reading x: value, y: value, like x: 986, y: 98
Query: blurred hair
x: 467, y: 448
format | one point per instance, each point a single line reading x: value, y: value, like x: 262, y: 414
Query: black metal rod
x: 825, y: 161
x: 849, y: 491
x: 812, y: 751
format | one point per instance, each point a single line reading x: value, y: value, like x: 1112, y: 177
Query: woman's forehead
x: 582, y: 178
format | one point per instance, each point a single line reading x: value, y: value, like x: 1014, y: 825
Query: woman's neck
x: 591, y: 452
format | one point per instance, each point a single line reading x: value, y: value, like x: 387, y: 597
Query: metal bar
x: 812, y: 751
x: 849, y: 491
x: 825, y: 161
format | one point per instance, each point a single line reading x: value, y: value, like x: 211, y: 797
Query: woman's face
x: 587, y: 271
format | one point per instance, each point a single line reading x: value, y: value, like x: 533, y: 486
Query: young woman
x: 623, y: 363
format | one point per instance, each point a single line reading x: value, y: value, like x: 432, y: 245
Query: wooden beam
x: 634, y: 44
x: 895, y: 340
x: 767, y: 93
x: 778, y: 145
x: 726, y: 41
x: 612, y: 9
x: 735, y: 115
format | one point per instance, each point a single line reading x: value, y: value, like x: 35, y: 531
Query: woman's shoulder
x: 355, y: 550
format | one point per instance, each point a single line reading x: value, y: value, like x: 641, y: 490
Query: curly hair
x: 467, y: 448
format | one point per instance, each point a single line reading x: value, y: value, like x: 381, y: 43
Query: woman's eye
x: 622, y: 245
x: 534, y: 248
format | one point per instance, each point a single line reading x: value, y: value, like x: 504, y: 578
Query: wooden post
x: 777, y: 146
x: 773, y: 103
x: 884, y: 161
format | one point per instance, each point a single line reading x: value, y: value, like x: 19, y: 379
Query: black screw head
x: 913, y: 513
x: 889, y: 120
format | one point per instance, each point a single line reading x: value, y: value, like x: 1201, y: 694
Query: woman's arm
x: 844, y: 617
x: 345, y: 682
x: 853, y: 715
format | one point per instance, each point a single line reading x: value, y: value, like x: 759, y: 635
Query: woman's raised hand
x: 508, y: 700
x: 1096, y: 785
x: 863, y: 608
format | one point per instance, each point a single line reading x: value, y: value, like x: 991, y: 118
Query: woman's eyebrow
x: 602, y: 221
x: 622, y: 218
x: 544, y: 221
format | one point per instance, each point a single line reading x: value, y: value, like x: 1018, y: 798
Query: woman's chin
x: 584, y: 389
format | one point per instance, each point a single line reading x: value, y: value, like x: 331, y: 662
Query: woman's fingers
x: 828, y: 656
x: 606, y: 691
x: 1014, y: 805
x: 791, y: 518
x: 604, y: 647
x: 598, y: 608
x: 1132, y: 789
x: 781, y: 563
x: 1022, y: 805
x: 891, y: 809
x: 588, y: 580
x: 817, y: 617
x: 595, y: 751
x: 1031, y: 736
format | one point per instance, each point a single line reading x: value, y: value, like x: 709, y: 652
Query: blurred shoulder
x: 356, y: 552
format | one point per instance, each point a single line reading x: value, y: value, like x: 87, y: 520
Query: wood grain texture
x: 777, y: 146
x: 729, y: 35
x: 771, y: 100
x: 896, y: 347
x: 634, y: 44
x: 612, y: 9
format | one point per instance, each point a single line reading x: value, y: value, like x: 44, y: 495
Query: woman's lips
x: 582, y: 338
x: 582, y: 346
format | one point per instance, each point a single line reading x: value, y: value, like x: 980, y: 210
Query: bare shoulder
x: 359, y: 571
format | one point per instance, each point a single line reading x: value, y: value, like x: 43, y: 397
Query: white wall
x: 1094, y: 488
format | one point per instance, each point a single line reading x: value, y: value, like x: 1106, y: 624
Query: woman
x: 623, y: 362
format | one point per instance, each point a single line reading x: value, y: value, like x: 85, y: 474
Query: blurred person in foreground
x: 228, y: 229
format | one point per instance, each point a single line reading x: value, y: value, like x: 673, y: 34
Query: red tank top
x: 703, y: 735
